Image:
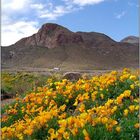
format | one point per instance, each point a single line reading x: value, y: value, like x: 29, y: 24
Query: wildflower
x: 137, y: 107
x: 127, y: 93
x: 52, y: 134
x: 61, y: 130
x: 89, y: 118
x: 62, y: 108
x: 76, y: 103
x: 57, y: 136
x: 126, y: 70
x: 109, y: 102
x: 20, y: 127
x: 70, y: 121
x: 82, y: 108
x: 28, y: 131
x: 67, y: 100
x: 93, y: 97
x: 104, y: 120
x: 62, y: 116
x: 66, y: 135
x: 101, y: 89
x: 17, y: 98
x: 83, y: 115
x: 137, y: 125
x: 20, y: 136
x: 124, y: 77
x: 132, y: 86
x: 118, y: 128
x: 114, y: 109
x: 119, y: 100
x: 114, y: 122
x: 85, y: 96
x: 4, y: 118
x: 87, y: 87
x: 74, y: 131
x: 87, y: 138
x: 12, y: 111
x: 114, y: 72
x: 125, y: 113
x: 51, y: 130
x: 102, y: 96
x: 133, y: 77
x: 62, y: 123
x: 131, y: 108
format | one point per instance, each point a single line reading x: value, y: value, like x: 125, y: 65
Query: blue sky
x: 115, y: 18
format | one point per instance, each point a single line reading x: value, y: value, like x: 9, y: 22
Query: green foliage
x: 99, y: 108
x: 20, y: 82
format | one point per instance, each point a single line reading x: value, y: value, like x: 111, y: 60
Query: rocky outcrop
x: 131, y: 39
x: 51, y: 36
x: 72, y: 76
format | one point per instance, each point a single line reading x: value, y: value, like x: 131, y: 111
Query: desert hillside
x: 55, y: 46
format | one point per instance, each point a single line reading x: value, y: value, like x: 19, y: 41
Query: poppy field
x: 102, y: 107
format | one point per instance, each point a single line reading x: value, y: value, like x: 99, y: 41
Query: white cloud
x: 120, y: 15
x: 56, y: 11
x: 13, y: 32
x: 14, y: 4
x: 84, y: 2
x: 37, y: 6
x: 87, y: 2
x: 12, y: 28
x: 49, y: 15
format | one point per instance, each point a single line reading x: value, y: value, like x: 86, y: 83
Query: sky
x: 115, y: 18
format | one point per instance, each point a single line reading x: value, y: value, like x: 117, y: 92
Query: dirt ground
x: 6, y: 102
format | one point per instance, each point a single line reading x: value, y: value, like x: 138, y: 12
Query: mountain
x: 56, y: 46
x: 131, y: 39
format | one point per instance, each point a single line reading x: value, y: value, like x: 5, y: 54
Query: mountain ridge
x: 56, y: 46
x: 131, y: 39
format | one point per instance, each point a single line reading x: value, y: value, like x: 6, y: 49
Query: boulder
x: 72, y: 76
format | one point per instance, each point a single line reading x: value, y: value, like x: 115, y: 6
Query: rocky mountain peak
x: 51, y: 27
x: 131, y: 39
x: 51, y: 35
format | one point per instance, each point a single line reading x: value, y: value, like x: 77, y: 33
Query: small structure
x: 56, y: 69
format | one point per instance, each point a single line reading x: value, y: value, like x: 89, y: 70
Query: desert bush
x: 20, y: 82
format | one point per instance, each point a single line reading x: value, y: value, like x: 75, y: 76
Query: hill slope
x: 56, y: 46
x: 131, y: 39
